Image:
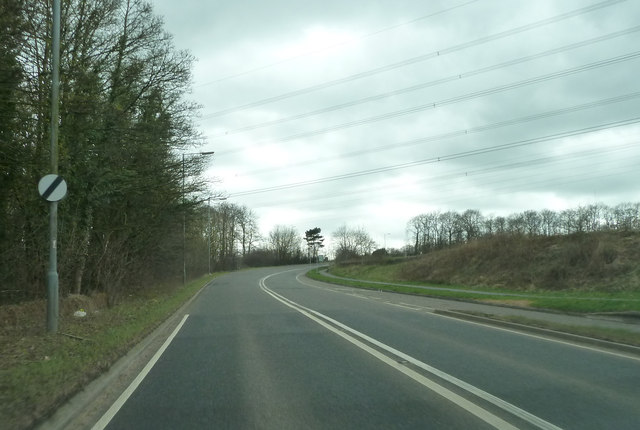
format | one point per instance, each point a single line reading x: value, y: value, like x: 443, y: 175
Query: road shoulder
x: 552, y: 323
x: 84, y: 409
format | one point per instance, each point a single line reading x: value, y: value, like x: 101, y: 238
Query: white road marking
x: 354, y: 337
x: 540, y: 337
x: 521, y: 333
x: 402, y: 305
x: 113, y: 410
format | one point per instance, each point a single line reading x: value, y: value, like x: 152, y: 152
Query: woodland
x: 127, y: 149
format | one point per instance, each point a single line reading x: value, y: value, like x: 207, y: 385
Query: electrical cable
x: 448, y: 177
x: 454, y: 156
x: 448, y: 198
x: 452, y: 100
x: 452, y: 78
x: 452, y: 134
x: 420, y: 58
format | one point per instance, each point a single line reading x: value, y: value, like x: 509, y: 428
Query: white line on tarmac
x: 518, y: 332
x: 353, y: 336
x: 545, y: 338
x: 403, y: 306
x: 113, y: 410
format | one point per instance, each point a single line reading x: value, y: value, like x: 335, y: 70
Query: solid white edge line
x: 545, y: 338
x: 502, y: 404
x: 113, y: 410
x: 517, y: 332
x: 469, y: 406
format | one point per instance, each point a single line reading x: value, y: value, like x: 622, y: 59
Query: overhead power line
x: 452, y: 78
x: 446, y: 178
x: 522, y: 184
x: 451, y: 100
x: 457, y: 133
x: 420, y: 58
x: 449, y: 157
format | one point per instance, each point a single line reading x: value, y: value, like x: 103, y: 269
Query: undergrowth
x: 39, y: 371
x: 599, y: 261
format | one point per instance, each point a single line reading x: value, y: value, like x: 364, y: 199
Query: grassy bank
x: 568, y: 301
x: 40, y: 371
x: 608, y: 334
x: 587, y: 272
x: 594, y: 302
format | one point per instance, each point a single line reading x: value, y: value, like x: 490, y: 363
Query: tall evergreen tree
x: 314, y: 242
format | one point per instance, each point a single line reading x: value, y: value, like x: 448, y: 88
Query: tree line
x: 125, y: 137
x: 137, y: 207
x: 352, y: 242
x: 137, y: 202
x: 437, y: 230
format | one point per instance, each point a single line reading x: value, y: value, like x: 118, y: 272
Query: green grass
x: 586, y: 303
x: 40, y: 371
x: 609, y: 334
x: 599, y: 261
x: 569, y: 301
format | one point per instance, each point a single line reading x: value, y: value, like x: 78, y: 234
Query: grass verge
x: 608, y: 334
x: 40, y: 372
x: 566, y: 301
x: 597, y: 302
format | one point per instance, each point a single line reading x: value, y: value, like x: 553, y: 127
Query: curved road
x: 271, y: 349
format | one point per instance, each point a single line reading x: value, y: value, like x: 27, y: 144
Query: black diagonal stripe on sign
x: 52, y: 187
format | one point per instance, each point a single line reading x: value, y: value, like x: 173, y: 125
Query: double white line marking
x: 358, y: 339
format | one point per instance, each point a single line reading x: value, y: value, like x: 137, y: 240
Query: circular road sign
x: 52, y: 188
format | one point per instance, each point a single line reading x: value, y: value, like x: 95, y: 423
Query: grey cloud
x: 233, y: 38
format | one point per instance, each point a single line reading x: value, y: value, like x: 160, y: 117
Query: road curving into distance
x: 271, y: 349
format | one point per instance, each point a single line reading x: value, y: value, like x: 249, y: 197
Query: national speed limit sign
x: 52, y: 188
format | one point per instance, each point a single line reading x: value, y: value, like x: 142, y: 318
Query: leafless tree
x: 285, y: 242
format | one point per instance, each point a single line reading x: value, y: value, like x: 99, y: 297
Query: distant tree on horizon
x: 314, y: 242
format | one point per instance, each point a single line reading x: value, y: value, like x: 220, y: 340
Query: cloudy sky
x: 367, y: 113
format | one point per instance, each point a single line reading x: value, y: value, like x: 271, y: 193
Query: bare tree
x: 532, y: 221
x: 567, y: 221
x: 470, y: 224
x: 448, y: 227
x: 500, y: 224
x: 248, y: 225
x: 352, y: 242
x: 365, y: 245
x: 444, y: 229
x: 285, y: 243
x: 549, y: 222
x: 516, y: 224
x: 627, y: 216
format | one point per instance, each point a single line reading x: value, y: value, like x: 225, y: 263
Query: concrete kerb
x: 517, y: 326
x: 575, y: 338
x: 71, y: 414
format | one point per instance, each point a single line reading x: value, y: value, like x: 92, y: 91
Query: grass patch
x: 585, y: 303
x: 40, y: 371
x: 439, y: 291
x: 386, y: 272
x: 597, y: 261
x: 608, y: 334
x: 568, y: 301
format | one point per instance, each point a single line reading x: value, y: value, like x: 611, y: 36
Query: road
x: 269, y: 349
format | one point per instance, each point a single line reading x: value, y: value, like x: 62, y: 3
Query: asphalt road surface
x: 269, y: 349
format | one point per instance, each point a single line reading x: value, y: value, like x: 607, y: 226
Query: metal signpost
x: 53, y: 187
